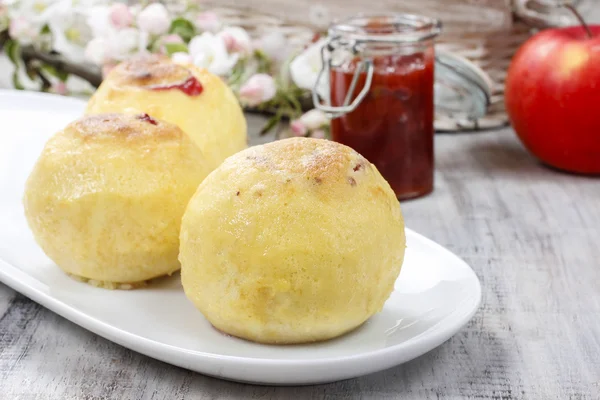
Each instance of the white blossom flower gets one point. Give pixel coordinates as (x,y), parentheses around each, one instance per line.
(314,119)
(237,40)
(70,29)
(118,40)
(120,16)
(304,69)
(258,89)
(208,21)
(33,10)
(96,51)
(181,58)
(154,19)
(22,30)
(125,42)
(209,51)
(273,44)
(99,21)
(113,44)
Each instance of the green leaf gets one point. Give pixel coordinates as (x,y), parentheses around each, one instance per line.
(265,65)
(184,28)
(271,123)
(16,81)
(13,51)
(293,100)
(176,48)
(50,69)
(237,73)
(46,84)
(45,30)
(31,71)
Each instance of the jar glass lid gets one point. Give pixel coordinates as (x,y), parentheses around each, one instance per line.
(396,28)
(462,89)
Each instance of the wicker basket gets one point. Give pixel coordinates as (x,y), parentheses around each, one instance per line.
(486,32)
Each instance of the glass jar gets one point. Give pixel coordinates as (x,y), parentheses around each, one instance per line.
(381,95)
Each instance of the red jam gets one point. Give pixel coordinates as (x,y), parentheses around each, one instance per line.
(147,118)
(191,86)
(393,126)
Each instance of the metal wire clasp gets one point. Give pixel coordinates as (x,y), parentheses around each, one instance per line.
(336,43)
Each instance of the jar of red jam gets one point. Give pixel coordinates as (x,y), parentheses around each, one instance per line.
(381,95)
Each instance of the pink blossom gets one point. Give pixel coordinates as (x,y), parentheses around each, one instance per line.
(120,16)
(208,21)
(313,121)
(59,88)
(236,40)
(172,38)
(258,89)
(298,128)
(229,42)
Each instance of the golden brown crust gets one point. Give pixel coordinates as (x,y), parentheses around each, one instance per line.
(148,70)
(321,161)
(130,126)
(197,101)
(301,240)
(106,196)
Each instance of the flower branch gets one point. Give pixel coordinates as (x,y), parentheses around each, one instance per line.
(63,42)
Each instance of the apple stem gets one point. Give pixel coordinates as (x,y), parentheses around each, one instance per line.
(572,8)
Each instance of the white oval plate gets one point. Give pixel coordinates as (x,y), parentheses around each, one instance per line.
(435,295)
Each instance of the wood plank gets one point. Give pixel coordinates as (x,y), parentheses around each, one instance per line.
(471,15)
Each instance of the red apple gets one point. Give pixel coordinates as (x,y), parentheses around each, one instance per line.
(553,97)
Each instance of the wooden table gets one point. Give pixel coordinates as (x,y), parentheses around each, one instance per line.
(532,235)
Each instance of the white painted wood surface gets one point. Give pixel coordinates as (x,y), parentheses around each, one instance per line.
(458,15)
(530,233)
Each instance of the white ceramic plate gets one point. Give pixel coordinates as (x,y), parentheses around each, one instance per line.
(436,294)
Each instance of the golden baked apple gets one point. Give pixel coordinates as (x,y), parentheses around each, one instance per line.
(200,103)
(294,241)
(105,198)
